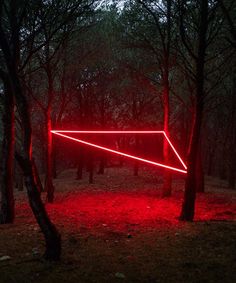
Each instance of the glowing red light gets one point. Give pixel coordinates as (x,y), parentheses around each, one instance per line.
(62,133)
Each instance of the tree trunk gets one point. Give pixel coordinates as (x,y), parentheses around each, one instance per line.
(7,212)
(121,145)
(232,142)
(49,187)
(200,184)
(188,207)
(52,237)
(166,189)
(136,168)
(136,163)
(232,162)
(210,163)
(54,160)
(18,177)
(20,182)
(36,175)
(102,163)
(232,175)
(91,168)
(24,158)
(79,174)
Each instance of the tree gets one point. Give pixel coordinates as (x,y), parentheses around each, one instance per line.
(7,211)
(154,33)
(202,7)
(15,15)
(228,9)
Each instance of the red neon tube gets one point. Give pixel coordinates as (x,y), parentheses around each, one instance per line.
(121,153)
(109,132)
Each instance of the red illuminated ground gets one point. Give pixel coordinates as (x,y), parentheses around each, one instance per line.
(120,230)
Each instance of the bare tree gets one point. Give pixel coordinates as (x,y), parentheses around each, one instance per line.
(162,17)
(14,14)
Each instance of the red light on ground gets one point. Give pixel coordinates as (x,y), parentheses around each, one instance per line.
(62,133)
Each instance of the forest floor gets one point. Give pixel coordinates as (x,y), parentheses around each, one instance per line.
(119,229)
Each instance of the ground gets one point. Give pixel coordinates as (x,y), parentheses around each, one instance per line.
(120,230)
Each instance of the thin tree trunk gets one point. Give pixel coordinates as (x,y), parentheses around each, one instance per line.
(200,184)
(232,162)
(24,158)
(91,168)
(54,160)
(52,237)
(232,142)
(18,177)
(79,174)
(121,145)
(136,164)
(232,173)
(49,187)
(36,175)
(20,182)
(7,212)
(102,163)
(210,163)
(166,189)
(136,168)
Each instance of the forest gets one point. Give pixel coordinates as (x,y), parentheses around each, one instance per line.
(118,141)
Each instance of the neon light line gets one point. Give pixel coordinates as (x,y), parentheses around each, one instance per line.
(109,132)
(180,159)
(127,132)
(121,153)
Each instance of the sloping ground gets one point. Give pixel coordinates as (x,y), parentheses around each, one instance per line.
(120,230)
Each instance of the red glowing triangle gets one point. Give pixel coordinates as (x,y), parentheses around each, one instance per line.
(181,170)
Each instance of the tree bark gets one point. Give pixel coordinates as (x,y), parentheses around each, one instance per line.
(36,175)
(102,163)
(188,207)
(210,163)
(136,164)
(232,142)
(136,168)
(166,189)
(232,151)
(54,160)
(232,171)
(167,182)
(49,187)
(91,168)
(52,237)
(7,212)
(200,184)
(20,182)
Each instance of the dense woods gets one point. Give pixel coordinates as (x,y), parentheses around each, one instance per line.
(114,65)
